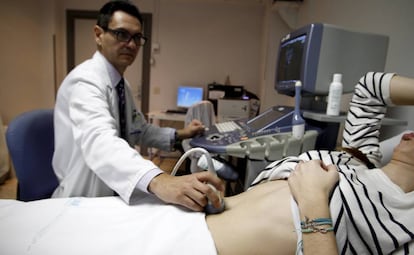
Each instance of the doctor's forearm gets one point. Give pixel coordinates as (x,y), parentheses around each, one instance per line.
(183,134)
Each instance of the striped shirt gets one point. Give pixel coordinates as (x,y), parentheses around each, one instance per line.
(371,214)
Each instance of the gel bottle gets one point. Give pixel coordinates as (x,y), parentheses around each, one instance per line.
(334,97)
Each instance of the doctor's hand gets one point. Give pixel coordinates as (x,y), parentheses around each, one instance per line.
(191,191)
(194,128)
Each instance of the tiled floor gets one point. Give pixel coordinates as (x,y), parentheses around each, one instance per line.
(8,189)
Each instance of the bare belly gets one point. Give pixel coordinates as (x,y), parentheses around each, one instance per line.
(258,221)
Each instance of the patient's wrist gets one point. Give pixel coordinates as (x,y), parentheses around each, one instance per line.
(314,209)
(310,201)
(316,225)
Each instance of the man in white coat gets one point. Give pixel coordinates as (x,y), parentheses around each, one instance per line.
(94,153)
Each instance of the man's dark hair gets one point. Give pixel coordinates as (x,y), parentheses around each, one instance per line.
(106,12)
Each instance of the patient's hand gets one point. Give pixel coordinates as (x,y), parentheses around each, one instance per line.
(310,184)
(312,181)
(191,191)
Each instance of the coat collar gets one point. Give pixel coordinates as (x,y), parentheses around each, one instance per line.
(114,75)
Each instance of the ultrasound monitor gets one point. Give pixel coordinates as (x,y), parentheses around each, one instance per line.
(187,96)
(313,53)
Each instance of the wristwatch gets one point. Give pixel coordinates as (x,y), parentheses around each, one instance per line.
(176,144)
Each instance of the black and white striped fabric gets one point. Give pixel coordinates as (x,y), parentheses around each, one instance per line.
(371,214)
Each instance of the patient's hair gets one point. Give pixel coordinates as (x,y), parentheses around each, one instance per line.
(106,12)
(359,155)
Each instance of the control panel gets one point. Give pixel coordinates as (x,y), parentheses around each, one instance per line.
(267,136)
(218,137)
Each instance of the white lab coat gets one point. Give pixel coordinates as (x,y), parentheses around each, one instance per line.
(90,159)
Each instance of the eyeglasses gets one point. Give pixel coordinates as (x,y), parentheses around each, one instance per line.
(125,36)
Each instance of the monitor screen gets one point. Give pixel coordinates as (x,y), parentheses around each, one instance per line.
(187,96)
(290,59)
(313,53)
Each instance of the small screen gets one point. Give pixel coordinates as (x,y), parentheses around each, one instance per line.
(187,96)
(265,119)
(290,59)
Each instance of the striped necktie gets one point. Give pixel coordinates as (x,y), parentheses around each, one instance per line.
(120,88)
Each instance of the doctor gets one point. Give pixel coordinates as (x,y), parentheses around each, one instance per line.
(94,152)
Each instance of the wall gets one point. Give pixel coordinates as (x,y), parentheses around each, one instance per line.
(200,42)
(274,29)
(204,42)
(26,64)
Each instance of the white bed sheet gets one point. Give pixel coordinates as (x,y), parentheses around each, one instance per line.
(101,226)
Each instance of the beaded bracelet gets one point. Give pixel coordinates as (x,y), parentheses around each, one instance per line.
(313,226)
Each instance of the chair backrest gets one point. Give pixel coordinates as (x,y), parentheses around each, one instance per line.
(30,139)
(254,107)
(203,111)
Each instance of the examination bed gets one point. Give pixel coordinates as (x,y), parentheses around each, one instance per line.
(104,225)
(107,225)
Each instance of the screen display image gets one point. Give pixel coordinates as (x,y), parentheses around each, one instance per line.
(187,96)
(290,63)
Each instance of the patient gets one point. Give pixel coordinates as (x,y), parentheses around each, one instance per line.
(371,209)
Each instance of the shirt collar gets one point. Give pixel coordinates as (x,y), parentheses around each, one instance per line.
(112,72)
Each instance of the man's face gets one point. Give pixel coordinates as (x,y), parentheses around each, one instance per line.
(119,54)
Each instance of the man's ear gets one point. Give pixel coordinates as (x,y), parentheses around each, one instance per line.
(98,34)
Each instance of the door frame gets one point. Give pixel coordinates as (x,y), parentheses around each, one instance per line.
(73,15)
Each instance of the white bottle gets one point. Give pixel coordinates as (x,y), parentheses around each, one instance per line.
(335,94)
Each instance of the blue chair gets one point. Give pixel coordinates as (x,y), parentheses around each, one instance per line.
(30,139)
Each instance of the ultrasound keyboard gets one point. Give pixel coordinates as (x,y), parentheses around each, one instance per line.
(227,126)
(222,135)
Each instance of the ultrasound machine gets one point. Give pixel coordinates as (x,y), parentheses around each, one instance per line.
(311,54)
